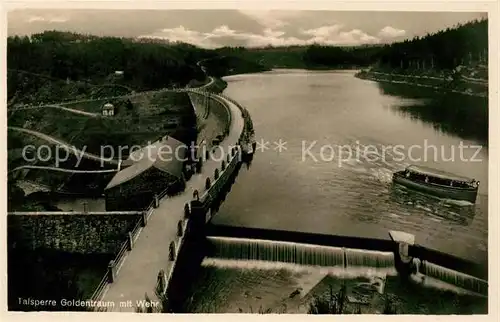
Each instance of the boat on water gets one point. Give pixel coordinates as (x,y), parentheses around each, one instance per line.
(438,183)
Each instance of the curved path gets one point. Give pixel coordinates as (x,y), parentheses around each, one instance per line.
(72,149)
(72,110)
(137,274)
(58,106)
(76,111)
(62,169)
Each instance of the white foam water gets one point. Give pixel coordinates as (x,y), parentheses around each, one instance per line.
(367,272)
(432,275)
(344,261)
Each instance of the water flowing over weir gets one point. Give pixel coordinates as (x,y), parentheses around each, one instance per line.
(369,258)
(350,260)
(449,276)
(339,261)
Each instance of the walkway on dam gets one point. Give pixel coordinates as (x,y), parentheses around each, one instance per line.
(138,273)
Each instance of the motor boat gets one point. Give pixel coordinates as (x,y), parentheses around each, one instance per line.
(438,183)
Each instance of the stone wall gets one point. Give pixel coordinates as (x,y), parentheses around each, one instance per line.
(221,111)
(78,233)
(203,106)
(200,105)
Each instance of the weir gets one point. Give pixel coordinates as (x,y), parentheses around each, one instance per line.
(461,280)
(369,258)
(275,251)
(352,262)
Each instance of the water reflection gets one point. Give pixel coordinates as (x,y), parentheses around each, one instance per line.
(454,211)
(462,115)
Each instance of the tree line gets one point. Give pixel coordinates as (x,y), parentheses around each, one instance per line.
(75,57)
(445,49)
(150,64)
(464,44)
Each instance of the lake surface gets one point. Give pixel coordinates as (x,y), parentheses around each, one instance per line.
(359,137)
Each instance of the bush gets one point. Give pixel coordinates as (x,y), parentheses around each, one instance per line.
(333,304)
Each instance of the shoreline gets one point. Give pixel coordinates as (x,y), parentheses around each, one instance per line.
(292,70)
(467,86)
(434,83)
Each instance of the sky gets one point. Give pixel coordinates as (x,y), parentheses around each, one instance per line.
(249,28)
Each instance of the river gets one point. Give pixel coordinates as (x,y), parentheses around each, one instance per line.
(338,194)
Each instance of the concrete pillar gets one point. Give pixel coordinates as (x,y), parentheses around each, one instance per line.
(403,253)
(111,271)
(144,218)
(171,251)
(199,165)
(161,281)
(187,211)
(179,228)
(130,241)
(403,260)
(156,201)
(197,220)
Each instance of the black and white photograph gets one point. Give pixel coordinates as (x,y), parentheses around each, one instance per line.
(315,162)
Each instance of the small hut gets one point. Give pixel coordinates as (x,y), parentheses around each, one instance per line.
(108,109)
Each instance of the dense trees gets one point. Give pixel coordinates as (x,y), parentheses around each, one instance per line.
(462,45)
(446,49)
(326,56)
(149,64)
(74,57)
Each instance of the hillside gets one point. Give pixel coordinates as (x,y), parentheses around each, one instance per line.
(91,59)
(439,54)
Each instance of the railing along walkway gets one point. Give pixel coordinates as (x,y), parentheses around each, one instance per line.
(136,271)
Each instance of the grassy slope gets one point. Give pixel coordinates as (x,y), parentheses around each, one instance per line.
(151,116)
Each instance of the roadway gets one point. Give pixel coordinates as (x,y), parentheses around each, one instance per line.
(62,169)
(138,273)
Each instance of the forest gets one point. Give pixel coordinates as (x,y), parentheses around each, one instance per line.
(74,57)
(444,50)
(151,64)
